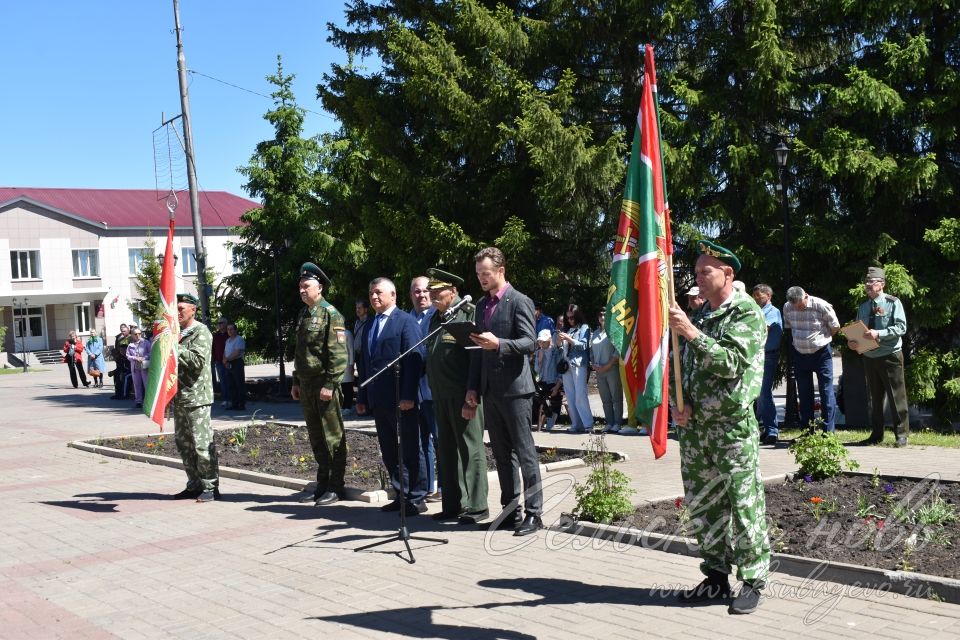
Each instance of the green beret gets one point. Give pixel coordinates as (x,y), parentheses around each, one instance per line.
(441,280)
(310,271)
(188,297)
(724,255)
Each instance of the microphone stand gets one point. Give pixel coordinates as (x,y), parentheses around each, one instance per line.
(403,534)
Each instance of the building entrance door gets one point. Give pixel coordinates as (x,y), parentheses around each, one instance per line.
(28,329)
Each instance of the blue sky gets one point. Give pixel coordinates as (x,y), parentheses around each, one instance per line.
(85,85)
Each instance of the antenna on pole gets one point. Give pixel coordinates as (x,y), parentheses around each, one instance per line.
(198,247)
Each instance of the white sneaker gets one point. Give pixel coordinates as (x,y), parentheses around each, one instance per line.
(628,431)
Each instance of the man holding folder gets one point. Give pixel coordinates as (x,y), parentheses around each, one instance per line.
(886,323)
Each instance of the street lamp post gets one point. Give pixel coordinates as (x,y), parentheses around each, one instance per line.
(282,390)
(22,306)
(791,414)
(276,309)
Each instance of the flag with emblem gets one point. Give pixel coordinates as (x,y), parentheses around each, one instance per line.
(162,380)
(638,300)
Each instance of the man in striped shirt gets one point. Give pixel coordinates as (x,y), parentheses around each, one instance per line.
(813,323)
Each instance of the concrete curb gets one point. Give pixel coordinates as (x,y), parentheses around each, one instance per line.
(908,583)
(374,496)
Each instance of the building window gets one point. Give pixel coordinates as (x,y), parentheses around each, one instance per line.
(188,261)
(25,265)
(81,314)
(136,258)
(86,263)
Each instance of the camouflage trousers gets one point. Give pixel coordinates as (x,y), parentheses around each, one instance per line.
(194,437)
(327,437)
(724,496)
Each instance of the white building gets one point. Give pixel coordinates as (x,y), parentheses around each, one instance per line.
(74,256)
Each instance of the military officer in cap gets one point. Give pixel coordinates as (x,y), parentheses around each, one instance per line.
(462,462)
(191,408)
(886,322)
(721,372)
(319,364)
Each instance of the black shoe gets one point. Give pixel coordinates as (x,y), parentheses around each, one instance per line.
(502,522)
(328,497)
(473,517)
(445,516)
(187,494)
(872,440)
(531,524)
(770,439)
(392,506)
(747,600)
(414,508)
(206,496)
(85,384)
(716,586)
(216,494)
(311,497)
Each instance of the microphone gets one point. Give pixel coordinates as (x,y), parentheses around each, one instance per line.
(452,310)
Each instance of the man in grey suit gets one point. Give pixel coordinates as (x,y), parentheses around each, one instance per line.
(500,372)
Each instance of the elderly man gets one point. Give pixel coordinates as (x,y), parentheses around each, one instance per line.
(462,460)
(719,438)
(694,300)
(886,322)
(191,408)
(813,323)
(766,409)
(392,333)
(319,362)
(500,373)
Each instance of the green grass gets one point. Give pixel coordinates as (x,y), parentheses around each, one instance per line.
(923,438)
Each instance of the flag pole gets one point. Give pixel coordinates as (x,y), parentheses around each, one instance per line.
(674,341)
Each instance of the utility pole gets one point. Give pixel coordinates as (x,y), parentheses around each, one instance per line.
(198,247)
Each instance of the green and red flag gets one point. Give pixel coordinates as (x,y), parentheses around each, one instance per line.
(162,382)
(638,301)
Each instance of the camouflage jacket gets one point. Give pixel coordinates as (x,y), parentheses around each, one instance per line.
(194,375)
(722,368)
(321,356)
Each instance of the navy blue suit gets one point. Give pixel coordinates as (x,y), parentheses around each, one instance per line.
(398,333)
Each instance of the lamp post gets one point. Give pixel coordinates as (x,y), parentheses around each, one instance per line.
(791,414)
(22,306)
(282,389)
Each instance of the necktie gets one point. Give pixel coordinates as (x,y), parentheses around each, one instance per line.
(375,332)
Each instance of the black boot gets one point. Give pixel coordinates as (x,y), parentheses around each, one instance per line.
(716,586)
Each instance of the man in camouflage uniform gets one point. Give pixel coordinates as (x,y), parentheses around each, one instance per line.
(191,407)
(319,363)
(721,371)
(461,458)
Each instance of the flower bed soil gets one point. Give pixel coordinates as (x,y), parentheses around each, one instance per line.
(891,535)
(284,450)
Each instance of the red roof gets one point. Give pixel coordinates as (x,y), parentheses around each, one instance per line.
(132,208)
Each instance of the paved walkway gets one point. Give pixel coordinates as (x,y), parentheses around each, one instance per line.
(91,549)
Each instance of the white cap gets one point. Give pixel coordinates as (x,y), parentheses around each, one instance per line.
(739,286)
(694,291)
(544,335)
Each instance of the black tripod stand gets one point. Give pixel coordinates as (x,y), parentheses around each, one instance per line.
(403,534)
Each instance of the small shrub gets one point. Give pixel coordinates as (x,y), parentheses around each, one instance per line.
(605,495)
(821,455)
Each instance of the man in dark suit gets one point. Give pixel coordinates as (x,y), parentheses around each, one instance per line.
(500,372)
(388,335)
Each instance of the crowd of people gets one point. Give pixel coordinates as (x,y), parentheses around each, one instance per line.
(434,378)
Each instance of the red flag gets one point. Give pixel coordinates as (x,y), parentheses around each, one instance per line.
(638,301)
(162,382)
